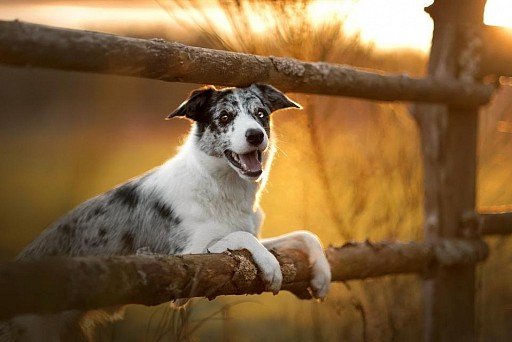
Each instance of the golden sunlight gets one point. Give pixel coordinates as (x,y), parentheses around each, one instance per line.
(392,24)
(386,24)
(79,16)
(498,13)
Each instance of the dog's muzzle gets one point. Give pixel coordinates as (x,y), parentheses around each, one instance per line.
(249,164)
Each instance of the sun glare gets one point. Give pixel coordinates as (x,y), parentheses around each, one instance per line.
(498,13)
(78,16)
(386,24)
(392,24)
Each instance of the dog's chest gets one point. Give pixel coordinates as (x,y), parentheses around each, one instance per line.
(213,204)
(230,205)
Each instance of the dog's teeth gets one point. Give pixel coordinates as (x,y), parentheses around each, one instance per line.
(235,156)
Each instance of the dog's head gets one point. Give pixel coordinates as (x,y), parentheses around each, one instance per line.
(234,123)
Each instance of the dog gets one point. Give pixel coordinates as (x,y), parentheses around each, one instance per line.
(205,199)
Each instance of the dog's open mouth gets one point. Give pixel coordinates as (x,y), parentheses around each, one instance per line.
(249,164)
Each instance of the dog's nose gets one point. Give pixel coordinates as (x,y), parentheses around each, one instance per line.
(254,136)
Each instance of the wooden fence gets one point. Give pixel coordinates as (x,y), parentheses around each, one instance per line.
(463,52)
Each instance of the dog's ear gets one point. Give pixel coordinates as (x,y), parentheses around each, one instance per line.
(195,105)
(273,98)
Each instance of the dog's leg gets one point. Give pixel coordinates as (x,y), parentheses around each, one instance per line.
(266,261)
(309,242)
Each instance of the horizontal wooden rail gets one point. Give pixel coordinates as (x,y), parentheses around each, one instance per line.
(24,44)
(58,284)
(496,223)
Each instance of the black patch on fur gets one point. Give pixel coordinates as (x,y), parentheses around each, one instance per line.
(205,119)
(167,213)
(126,194)
(99,240)
(208,118)
(164,211)
(97,243)
(194,107)
(66,235)
(201,128)
(178,250)
(65,229)
(128,242)
(176,221)
(273,98)
(99,211)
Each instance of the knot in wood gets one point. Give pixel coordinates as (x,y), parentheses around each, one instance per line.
(288,66)
(288,268)
(245,270)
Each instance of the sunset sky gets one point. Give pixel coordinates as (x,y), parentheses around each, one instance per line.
(389,24)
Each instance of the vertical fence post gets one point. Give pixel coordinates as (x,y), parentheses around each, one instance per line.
(449,156)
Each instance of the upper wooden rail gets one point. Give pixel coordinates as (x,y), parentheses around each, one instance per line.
(24,44)
(57,284)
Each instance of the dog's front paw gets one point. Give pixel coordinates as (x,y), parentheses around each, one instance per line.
(321,281)
(320,268)
(266,261)
(270,269)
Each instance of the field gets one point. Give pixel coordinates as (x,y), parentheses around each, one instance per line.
(345,169)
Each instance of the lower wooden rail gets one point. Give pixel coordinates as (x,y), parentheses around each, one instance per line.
(496,223)
(57,284)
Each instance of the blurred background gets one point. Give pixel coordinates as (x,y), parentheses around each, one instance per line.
(345,169)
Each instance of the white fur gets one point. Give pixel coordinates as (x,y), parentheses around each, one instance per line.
(221,211)
(242,123)
(218,209)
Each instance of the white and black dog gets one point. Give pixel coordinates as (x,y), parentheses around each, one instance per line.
(205,199)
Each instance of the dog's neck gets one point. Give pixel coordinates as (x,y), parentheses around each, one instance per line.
(215,170)
(208,166)
(192,167)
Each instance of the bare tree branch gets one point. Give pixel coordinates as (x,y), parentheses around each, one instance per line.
(58,284)
(496,223)
(24,44)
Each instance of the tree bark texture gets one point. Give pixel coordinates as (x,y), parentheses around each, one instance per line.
(448,137)
(495,223)
(24,44)
(57,284)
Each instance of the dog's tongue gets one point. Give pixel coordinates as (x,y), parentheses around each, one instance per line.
(250,161)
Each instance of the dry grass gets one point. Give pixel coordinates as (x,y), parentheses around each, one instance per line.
(346,169)
(361,179)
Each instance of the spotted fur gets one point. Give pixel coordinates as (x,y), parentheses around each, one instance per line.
(206,106)
(193,203)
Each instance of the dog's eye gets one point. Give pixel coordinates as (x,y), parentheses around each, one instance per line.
(225,117)
(261,113)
